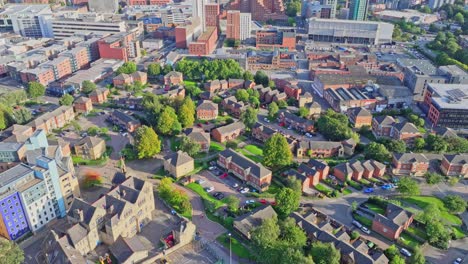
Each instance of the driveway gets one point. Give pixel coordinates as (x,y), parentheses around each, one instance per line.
(221,185)
(458,249)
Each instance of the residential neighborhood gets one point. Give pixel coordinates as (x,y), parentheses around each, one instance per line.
(254,131)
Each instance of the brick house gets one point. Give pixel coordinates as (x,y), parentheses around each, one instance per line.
(178,91)
(83,105)
(391,225)
(124,121)
(202,138)
(359,117)
(405,131)
(296,122)
(55,119)
(233,107)
(261,132)
(245,169)
(382,126)
(173,78)
(207,110)
(310,173)
(455,165)
(99,96)
(91,148)
(178,164)
(410,164)
(324,149)
(246,223)
(236,83)
(126,79)
(357,170)
(228,132)
(216,86)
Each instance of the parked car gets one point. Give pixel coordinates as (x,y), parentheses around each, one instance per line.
(458,261)
(235,185)
(365,230)
(263,201)
(200,181)
(209,189)
(387,186)
(212,168)
(308,135)
(249,202)
(405,252)
(357,224)
(369,190)
(224,175)
(245,190)
(220,196)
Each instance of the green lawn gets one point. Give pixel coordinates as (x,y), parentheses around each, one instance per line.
(215,146)
(423,201)
(417,231)
(323,189)
(458,232)
(409,241)
(251,156)
(203,194)
(347,191)
(237,248)
(254,150)
(354,184)
(190,83)
(363,220)
(375,208)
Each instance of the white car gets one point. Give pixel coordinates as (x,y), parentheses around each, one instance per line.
(212,168)
(458,261)
(357,224)
(365,230)
(266,120)
(405,252)
(200,181)
(209,189)
(235,185)
(308,135)
(249,202)
(245,190)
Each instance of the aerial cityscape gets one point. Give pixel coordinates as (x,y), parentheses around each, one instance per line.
(234,131)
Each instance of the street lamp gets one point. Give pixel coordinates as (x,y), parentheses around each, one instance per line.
(229,235)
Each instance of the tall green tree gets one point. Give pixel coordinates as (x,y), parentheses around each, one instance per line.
(35,90)
(287,201)
(88,86)
(261,78)
(272,110)
(242,95)
(267,233)
(167,121)
(66,99)
(3,120)
(455,203)
(436,143)
(408,186)
(417,257)
(303,112)
(154,69)
(277,151)
(127,68)
(11,253)
(190,146)
(397,260)
(187,112)
(438,234)
(398,146)
(147,142)
(292,233)
(377,151)
(249,117)
(232,203)
(248,76)
(22,116)
(419,143)
(430,213)
(325,253)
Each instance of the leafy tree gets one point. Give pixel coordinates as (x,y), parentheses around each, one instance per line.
(11,253)
(438,235)
(397,260)
(452,181)
(154,69)
(13,98)
(248,76)
(273,110)
(433,178)
(249,117)
(147,142)
(277,151)
(3,120)
(88,86)
(425,9)
(455,203)
(436,143)
(66,100)
(271,84)
(391,252)
(419,143)
(325,253)
(190,146)
(291,255)
(417,257)
(242,95)
(292,8)
(457,144)
(128,68)
(303,112)
(167,121)
(254,101)
(294,183)
(354,206)
(408,186)
(167,69)
(398,146)
(292,234)
(282,104)
(232,203)
(261,78)
(22,116)
(287,201)
(35,90)
(377,151)
(267,233)
(354,235)
(93,131)
(430,213)
(187,112)
(334,126)
(209,69)
(459,18)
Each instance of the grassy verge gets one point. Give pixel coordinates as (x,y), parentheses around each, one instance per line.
(408,241)
(254,150)
(417,231)
(375,208)
(237,248)
(354,184)
(423,201)
(203,194)
(251,156)
(325,190)
(363,220)
(98,162)
(215,146)
(347,191)
(458,232)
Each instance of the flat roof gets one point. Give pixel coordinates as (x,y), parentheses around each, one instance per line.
(450,96)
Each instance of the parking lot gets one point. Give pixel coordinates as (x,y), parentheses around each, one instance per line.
(225,185)
(187,255)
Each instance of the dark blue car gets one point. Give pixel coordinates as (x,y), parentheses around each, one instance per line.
(369,190)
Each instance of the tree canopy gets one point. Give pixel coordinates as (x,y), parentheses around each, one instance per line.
(35,90)
(154,69)
(209,69)
(261,78)
(277,151)
(377,151)
(167,122)
(272,110)
(187,112)
(249,117)
(408,186)
(11,253)
(287,201)
(66,100)
(455,203)
(190,146)
(334,126)
(88,86)
(325,253)
(127,68)
(147,142)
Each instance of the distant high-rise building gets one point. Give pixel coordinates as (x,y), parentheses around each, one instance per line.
(211,14)
(332,5)
(27,20)
(358,10)
(238,25)
(434,4)
(104,6)
(261,10)
(198,10)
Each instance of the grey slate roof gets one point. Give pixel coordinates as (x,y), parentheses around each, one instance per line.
(124,248)
(356,165)
(344,167)
(76,233)
(230,128)
(247,222)
(207,105)
(410,157)
(406,127)
(459,159)
(264,129)
(178,158)
(124,117)
(384,120)
(90,142)
(240,160)
(359,111)
(308,144)
(317,164)
(88,210)
(199,136)
(397,214)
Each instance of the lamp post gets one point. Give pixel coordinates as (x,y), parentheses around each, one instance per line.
(229,235)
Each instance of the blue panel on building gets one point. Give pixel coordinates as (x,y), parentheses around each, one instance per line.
(14,216)
(151,20)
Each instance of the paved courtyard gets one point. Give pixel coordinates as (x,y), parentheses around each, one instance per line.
(188,255)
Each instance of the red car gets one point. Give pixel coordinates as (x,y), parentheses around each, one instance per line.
(224,175)
(199,125)
(273,203)
(263,201)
